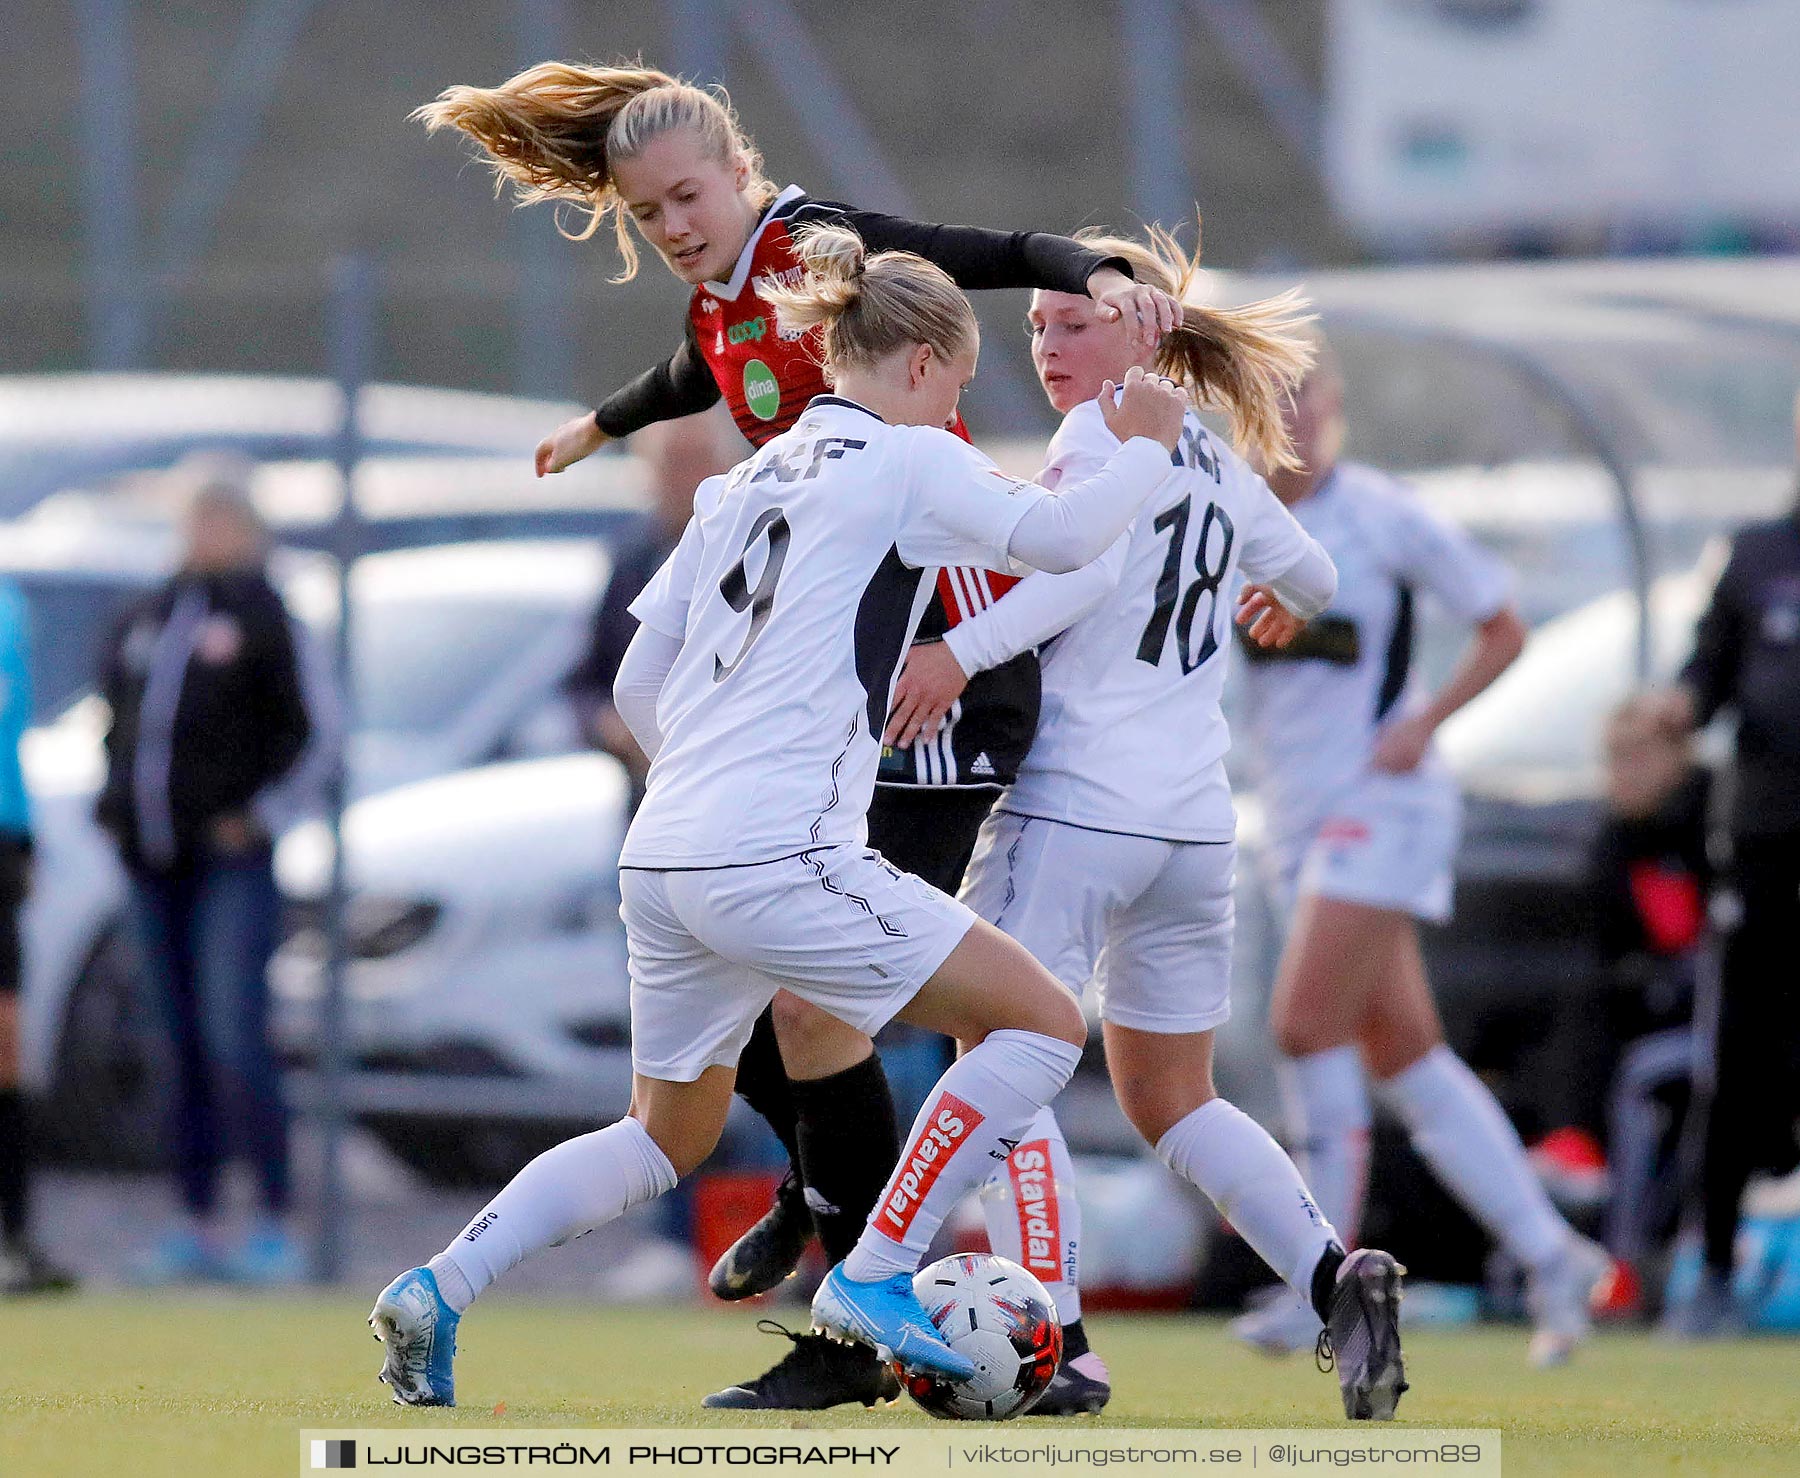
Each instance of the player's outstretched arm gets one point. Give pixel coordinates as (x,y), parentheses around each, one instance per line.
(569,444)
(1068,528)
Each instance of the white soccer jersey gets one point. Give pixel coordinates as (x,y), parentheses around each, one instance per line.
(1314,709)
(794,591)
(1130,737)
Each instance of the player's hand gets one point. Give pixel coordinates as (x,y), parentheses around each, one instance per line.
(1268,622)
(568,444)
(1151,406)
(1670,710)
(1148,312)
(1401,745)
(930,682)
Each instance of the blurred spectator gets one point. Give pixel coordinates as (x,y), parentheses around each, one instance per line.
(1650,877)
(23,1269)
(1746,661)
(678,456)
(208,723)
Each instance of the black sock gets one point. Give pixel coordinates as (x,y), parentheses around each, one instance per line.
(1324,1281)
(762,1082)
(14,1210)
(849,1144)
(1074,1341)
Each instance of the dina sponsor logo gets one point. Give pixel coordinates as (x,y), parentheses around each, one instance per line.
(761,392)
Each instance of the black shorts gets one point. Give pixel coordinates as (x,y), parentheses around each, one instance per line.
(929,830)
(15,873)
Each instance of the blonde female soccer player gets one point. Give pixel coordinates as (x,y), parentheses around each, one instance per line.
(758,683)
(1111,856)
(1363,820)
(669,163)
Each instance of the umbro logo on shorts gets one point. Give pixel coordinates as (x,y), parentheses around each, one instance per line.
(948,1125)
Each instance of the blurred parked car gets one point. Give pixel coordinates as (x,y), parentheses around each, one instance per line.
(486,987)
(457,657)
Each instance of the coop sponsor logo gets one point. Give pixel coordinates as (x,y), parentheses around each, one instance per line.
(947,1126)
(1040,1217)
(748,333)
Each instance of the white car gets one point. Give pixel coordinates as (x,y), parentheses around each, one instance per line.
(485,981)
(458,654)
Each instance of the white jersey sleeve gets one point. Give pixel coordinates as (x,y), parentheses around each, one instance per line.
(961,508)
(663,604)
(1039,607)
(1428,551)
(1279,553)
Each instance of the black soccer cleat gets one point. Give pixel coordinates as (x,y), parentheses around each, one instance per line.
(816,1373)
(1362,1336)
(769,1252)
(1080,1387)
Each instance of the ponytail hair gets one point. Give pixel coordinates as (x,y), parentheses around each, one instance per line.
(869,306)
(1246,362)
(555,131)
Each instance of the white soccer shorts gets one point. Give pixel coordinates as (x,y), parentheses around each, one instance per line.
(1148,921)
(709,948)
(1388,842)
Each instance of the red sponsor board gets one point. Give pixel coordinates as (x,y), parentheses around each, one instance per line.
(947,1125)
(1040,1217)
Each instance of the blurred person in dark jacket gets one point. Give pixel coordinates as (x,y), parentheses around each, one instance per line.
(678,456)
(209,723)
(23,1268)
(1746,662)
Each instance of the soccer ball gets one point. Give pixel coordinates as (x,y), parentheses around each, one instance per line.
(1003,1319)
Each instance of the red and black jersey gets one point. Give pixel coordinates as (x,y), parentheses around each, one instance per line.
(734,349)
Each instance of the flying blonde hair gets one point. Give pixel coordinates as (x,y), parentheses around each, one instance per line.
(869,306)
(555,131)
(1246,362)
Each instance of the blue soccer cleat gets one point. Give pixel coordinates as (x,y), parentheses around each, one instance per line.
(419,1330)
(888,1316)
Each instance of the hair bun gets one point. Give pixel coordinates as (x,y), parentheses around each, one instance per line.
(835,253)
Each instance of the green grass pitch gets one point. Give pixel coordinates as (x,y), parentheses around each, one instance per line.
(145,1386)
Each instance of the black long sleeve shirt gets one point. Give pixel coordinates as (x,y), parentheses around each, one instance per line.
(1747,658)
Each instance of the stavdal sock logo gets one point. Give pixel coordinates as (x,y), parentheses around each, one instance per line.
(327,1453)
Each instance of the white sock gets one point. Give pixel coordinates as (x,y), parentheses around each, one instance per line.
(1255,1186)
(572,1188)
(1462,1133)
(979,1111)
(1327,1102)
(1033,1215)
